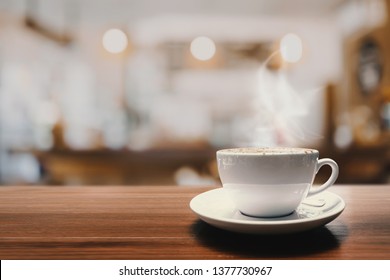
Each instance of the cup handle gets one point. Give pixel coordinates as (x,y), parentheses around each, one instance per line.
(332,178)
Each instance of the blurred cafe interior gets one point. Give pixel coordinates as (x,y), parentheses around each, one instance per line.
(126,92)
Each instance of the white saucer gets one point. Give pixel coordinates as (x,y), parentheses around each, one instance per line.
(215,208)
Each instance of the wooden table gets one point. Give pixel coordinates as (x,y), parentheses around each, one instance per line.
(157,223)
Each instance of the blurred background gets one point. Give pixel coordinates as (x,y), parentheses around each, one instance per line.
(104,92)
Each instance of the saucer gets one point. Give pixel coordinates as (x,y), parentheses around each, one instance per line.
(215,208)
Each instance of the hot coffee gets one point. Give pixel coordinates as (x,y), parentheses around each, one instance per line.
(269,182)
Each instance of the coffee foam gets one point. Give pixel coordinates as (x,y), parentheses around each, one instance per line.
(269,150)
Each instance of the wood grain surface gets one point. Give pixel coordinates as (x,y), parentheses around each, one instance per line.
(123,222)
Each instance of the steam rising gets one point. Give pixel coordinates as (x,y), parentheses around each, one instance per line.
(279,111)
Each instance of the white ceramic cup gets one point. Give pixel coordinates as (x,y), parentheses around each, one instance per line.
(271,182)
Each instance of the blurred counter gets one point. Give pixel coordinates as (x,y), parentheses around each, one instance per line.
(102,167)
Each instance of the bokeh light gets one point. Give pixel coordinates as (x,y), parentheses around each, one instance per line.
(203,48)
(115,40)
(291,48)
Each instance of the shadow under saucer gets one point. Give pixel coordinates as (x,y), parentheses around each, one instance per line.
(298,245)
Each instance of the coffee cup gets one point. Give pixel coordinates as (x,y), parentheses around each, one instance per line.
(271,182)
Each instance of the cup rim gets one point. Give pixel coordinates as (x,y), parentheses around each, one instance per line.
(267,151)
